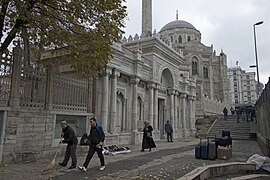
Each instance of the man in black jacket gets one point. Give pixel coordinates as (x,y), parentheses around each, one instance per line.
(95,140)
(69,137)
(169,131)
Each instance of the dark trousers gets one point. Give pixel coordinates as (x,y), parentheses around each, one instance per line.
(169,137)
(71,152)
(225,117)
(91,152)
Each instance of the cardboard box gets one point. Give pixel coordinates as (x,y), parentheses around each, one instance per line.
(224,152)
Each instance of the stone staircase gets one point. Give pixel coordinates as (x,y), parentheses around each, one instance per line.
(240,131)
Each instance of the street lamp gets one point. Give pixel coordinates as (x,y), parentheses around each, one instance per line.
(256,56)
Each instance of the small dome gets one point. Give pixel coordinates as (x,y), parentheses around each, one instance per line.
(177,24)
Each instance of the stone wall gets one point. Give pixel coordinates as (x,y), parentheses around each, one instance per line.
(209,107)
(27,135)
(262,118)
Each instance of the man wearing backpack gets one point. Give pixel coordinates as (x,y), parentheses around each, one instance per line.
(95,140)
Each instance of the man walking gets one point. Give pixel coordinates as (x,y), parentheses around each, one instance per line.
(225,112)
(69,137)
(169,131)
(95,139)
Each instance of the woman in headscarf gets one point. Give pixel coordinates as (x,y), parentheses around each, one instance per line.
(147,142)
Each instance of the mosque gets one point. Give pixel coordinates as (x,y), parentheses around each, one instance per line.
(160,76)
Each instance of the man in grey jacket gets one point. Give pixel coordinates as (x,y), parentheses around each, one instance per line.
(169,131)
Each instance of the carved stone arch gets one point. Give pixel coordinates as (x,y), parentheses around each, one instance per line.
(195,65)
(205,71)
(121,108)
(165,73)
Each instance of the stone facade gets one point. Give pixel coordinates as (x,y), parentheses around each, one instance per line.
(143,83)
(210,69)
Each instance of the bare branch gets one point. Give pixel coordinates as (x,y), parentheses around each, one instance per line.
(2,16)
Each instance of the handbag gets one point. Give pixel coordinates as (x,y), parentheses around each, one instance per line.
(148,134)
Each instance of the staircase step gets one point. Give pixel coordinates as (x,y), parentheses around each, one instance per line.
(239,131)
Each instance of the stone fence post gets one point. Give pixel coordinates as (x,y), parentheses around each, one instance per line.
(14,98)
(49,87)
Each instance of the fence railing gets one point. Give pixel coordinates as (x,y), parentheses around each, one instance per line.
(5,78)
(29,86)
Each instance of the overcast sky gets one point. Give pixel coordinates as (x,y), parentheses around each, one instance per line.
(227,24)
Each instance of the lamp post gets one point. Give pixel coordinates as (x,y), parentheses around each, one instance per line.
(256,56)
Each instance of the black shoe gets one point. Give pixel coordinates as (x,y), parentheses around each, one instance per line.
(72,167)
(62,164)
(149,150)
(142,150)
(171,141)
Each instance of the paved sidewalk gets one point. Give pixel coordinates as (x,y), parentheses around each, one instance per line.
(167,161)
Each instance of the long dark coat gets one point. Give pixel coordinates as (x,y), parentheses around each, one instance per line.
(148,141)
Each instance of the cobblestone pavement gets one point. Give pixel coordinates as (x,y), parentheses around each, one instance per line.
(167,161)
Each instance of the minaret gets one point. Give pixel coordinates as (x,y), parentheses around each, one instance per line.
(146,17)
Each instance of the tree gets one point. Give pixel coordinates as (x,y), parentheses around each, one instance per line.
(86,29)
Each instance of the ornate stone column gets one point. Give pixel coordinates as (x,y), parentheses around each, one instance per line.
(175,110)
(134,128)
(135,82)
(104,103)
(151,103)
(193,117)
(184,124)
(113,101)
(172,92)
(155,109)
(125,124)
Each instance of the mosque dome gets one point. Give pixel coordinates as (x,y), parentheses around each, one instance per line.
(177,24)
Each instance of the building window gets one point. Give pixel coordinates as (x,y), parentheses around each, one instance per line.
(248,93)
(248,82)
(180,39)
(247,76)
(235,90)
(172,39)
(234,73)
(188,38)
(194,68)
(205,72)
(235,84)
(249,98)
(236,101)
(248,87)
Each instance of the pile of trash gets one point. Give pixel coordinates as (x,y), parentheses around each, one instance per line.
(114,150)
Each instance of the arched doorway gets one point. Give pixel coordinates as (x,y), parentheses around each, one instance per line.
(164,108)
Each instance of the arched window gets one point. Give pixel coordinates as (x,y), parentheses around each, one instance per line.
(205,72)
(188,38)
(140,109)
(171,39)
(195,66)
(180,39)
